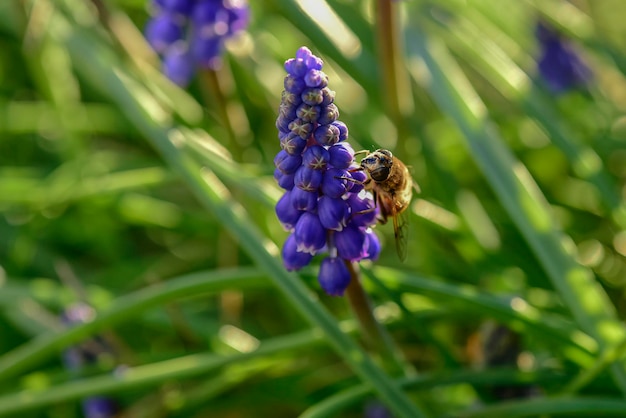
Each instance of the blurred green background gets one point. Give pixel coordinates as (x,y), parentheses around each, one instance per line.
(153,205)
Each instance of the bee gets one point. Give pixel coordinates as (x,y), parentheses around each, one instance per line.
(391,185)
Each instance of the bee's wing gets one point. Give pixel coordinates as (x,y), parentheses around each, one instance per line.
(401,233)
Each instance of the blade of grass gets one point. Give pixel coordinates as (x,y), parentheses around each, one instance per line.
(138,377)
(518,193)
(333,405)
(596,407)
(37,350)
(515,312)
(490,60)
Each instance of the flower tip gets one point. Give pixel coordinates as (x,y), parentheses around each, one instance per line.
(333,276)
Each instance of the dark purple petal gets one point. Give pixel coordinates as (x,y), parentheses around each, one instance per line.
(309,233)
(282,123)
(314,63)
(287,109)
(296,67)
(308,179)
(326,134)
(284,180)
(334,276)
(291,98)
(334,183)
(301,127)
(372,245)
(286,213)
(316,157)
(303,53)
(303,200)
(350,243)
(333,213)
(293,144)
(312,96)
(294,84)
(162,31)
(292,258)
(341,155)
(364,212)
(343,130)
(178,64)
(316,78)
(328,114)
(287,163)
(308,113)
(328,96)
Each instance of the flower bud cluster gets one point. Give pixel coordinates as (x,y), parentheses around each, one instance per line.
(190,34)
(324,206)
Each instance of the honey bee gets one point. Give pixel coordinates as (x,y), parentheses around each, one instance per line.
(391,184)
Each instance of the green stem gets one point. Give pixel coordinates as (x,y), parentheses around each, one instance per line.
(374,334)
(608,357)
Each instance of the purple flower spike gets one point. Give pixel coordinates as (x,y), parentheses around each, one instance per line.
(322,210)
(334,276)
(201,25)
(560,67)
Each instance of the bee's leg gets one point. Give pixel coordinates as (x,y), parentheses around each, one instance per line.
(362,183)
(382,218)
(382,213)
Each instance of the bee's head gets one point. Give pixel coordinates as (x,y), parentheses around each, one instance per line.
(378,164)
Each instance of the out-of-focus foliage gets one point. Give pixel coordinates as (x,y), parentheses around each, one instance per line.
(151,208)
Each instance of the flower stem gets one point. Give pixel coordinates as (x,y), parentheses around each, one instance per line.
(374,334)
(396,87)
(213,95)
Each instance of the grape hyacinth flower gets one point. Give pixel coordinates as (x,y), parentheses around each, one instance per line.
(324,205)
(190,34)
(559,65)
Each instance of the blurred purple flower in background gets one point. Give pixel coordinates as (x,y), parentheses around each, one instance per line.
(78,356)
(324,205)
(560,67)
(190,34)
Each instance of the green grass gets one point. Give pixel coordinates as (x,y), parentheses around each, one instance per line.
(154,206)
